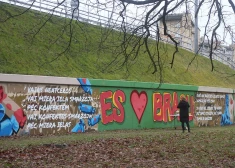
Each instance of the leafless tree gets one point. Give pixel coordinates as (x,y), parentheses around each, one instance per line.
(135,24)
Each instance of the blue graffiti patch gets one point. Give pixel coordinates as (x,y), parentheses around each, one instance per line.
(225,118)
(2,111)
(7,125)
(85,108)
(79,127)
(6,128)
(86,85)
(93,121)
(15,124)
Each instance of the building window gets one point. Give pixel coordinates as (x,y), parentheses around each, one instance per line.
(177,35)
(177,25)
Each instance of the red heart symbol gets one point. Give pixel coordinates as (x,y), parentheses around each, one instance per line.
(139,102)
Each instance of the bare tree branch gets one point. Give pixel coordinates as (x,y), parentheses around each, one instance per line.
(232,5)
(139,2)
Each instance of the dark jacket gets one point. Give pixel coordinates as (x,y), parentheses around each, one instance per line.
(184,111)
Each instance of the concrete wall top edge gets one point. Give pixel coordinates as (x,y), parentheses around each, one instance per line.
(215,89)
(16,78)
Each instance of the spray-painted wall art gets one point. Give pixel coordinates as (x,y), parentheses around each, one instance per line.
(47,109)
(133,105)
(213,109)
(139,108)
(83,105)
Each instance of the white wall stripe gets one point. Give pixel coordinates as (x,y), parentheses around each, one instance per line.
(215,89)
(15,78)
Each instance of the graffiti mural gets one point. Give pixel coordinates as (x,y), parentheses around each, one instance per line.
(137,108)
(87,105)
(48,109)
(213,109)
(12,117)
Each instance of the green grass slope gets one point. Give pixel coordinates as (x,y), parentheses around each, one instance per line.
(91,52)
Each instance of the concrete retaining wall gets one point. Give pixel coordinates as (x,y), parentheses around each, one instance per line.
(51,105)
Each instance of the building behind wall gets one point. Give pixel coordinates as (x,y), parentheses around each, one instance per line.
(181,27)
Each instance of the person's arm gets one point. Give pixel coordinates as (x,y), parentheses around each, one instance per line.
(179,105)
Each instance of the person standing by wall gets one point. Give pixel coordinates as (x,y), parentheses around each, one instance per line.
(184,112)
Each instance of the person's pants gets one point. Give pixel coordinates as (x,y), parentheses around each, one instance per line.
(187,123)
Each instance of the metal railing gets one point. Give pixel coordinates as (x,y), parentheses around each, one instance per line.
(101,16)
(219,56)
(90,14)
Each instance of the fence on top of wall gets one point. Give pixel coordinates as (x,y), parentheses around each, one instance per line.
(50,105)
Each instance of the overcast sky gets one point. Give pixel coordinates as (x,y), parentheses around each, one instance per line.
(229,18)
